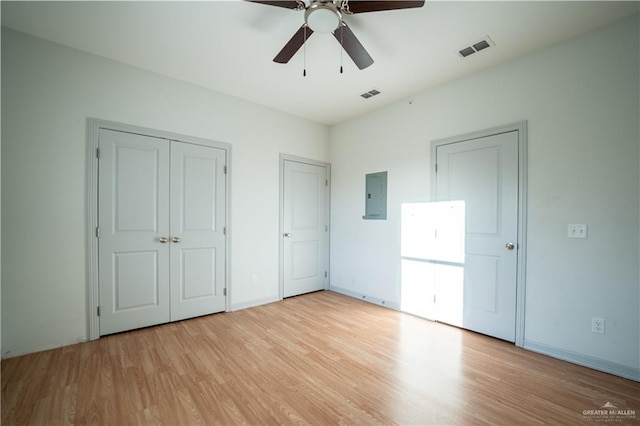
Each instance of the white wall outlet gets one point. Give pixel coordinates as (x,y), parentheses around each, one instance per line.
(597,325)
(254,279)
(577,230)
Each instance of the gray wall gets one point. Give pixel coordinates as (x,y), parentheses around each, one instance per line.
(581,101)
(48,91)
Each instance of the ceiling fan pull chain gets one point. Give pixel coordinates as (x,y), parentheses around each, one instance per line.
(341,48)
(304,46)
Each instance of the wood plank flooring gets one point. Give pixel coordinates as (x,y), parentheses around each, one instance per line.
(317,359)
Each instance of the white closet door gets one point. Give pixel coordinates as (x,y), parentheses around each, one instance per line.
(197,230)
(134,218)
(305,247)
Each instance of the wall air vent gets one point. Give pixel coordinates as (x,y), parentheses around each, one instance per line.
(476,47)
(370,94)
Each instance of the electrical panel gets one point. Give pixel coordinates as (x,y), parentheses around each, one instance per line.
(376,196)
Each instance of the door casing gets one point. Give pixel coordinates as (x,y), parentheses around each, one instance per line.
(327,166)
(93,128)
(521,128)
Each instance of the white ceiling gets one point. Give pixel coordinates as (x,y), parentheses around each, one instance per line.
(228,46)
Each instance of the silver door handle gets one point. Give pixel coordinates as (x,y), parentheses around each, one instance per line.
(287,234)
(163,239)
(510,246)
(175,239)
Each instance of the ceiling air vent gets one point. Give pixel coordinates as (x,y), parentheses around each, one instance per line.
(476,47)
(370,94)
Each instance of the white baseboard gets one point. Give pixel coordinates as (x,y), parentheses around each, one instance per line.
(366,298)
(253,303)
(599,364)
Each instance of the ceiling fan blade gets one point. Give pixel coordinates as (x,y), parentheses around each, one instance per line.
(352,46)
(293,45)
(288,4)
(361,6)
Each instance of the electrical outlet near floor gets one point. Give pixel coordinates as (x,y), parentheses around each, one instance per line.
(597,325)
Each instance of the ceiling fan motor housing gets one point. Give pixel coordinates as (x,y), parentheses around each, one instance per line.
(323,16)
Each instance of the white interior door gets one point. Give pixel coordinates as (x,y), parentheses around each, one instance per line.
(305,221)
(197,230)
(162,242)
(133,209)
(483,173)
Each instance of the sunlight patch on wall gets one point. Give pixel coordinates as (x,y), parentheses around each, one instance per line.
(432,260)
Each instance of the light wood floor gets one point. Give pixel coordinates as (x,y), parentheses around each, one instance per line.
(318,359)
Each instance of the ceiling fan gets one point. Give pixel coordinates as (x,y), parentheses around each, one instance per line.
(327,16)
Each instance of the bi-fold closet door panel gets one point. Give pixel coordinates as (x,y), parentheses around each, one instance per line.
(197,230)
(161,221)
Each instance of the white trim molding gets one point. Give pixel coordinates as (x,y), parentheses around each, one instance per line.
(93,129)
(521,128)
(254,303)
(367,298)
(632,373)
(327,166)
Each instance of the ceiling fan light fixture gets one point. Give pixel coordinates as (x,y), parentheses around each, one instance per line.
(323,17)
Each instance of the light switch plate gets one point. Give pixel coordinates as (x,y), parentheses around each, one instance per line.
(577,230)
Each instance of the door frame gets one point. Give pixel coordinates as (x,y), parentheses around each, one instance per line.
(94,125)
(327,166)
(521,128)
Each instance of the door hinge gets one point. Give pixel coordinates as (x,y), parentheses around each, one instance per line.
(98,153)
(224,230)
(436,167)
(224,169)
(97,232)
(326,228)
(325,274)
(434,298)
(98,310)
(224,292)
(326,182)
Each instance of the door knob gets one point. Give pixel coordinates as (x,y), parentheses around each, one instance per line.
(175,239)
(163,239)
(510,246)
(287,234)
